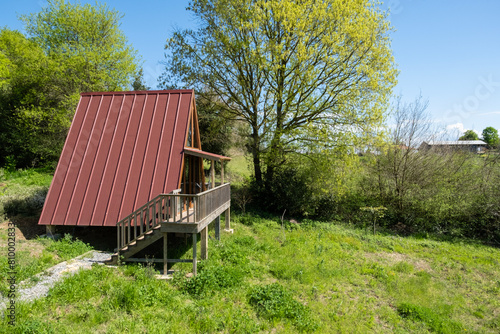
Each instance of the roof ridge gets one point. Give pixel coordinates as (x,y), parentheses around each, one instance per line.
(139,92)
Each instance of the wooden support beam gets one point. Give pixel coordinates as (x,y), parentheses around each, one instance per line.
(194,253)
(227,216)
(50,230)
(204,243)
(212,173)
(217,228)
(221,172)
(165,257)
(134,259)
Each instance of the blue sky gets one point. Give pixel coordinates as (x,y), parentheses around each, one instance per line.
(447,51)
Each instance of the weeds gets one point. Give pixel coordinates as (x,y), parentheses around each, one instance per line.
(436,323)
(273,301)
(67,247)
(211,279)
(326,278)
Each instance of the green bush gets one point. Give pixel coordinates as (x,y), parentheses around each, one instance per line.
(273,301)
(288,190)
(34,326)
(211,279)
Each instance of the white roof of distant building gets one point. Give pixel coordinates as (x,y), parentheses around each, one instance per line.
(456,142)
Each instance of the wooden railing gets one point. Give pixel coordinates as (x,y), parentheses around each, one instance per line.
(174,207)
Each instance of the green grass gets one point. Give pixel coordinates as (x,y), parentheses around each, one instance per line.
(26,177)
(22,192)
(239,166)
(312,277)
(33,257)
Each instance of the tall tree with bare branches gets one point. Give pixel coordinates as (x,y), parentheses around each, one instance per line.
(304,75)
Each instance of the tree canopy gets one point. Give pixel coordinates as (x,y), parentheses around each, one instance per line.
(490,136)
(33,119)
(87,41)
(69,49)
(469,135)
(304,75)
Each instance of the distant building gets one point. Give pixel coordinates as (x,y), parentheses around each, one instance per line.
(476,146)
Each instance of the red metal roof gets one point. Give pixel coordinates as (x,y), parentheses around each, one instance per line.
(123,149)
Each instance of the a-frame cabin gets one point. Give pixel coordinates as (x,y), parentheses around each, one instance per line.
(134,160)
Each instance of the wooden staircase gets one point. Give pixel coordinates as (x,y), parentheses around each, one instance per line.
(141,242)
(167,213)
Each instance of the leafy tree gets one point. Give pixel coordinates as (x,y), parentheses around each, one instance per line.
(215,131)
(469,135)
(87,42)
(304,75)
(33,118)
(71,49)
(138,83)
(490,136)
(4,69)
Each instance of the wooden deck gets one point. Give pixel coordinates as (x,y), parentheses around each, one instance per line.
(174,213)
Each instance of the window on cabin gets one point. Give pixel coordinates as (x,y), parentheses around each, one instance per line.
(192,177)
(190,138)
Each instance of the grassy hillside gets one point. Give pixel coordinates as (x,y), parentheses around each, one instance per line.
(22,192)
(271,277)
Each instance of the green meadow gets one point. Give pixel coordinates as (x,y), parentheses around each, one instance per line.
(273,276)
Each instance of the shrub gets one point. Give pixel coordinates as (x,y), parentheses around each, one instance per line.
(288,190)
(211,279)
(34,326)
(27,203)
(273,301)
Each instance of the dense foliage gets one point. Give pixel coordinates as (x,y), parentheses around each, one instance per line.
(216,131)
(448,192)
(68,49)
(303,75)
(469,135)
(490,136)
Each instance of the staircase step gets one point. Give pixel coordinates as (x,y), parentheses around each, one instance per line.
(113,260)
(140,242)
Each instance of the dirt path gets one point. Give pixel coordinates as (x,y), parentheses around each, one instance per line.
(27,291)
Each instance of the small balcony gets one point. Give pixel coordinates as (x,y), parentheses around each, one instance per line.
(174,213)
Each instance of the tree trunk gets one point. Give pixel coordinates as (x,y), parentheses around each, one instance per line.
(255,149)
(275,156)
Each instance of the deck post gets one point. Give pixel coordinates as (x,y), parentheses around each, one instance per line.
(204,243)
(217,228)
(50,230)
(165,264)
(227,215)
(221,172)
(194,254)
(212,173)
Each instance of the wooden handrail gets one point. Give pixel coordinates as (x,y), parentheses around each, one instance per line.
(165,207)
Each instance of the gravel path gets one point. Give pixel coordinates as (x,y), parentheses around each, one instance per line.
(27,291)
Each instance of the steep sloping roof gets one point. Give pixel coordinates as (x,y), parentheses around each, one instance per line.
(123,148)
